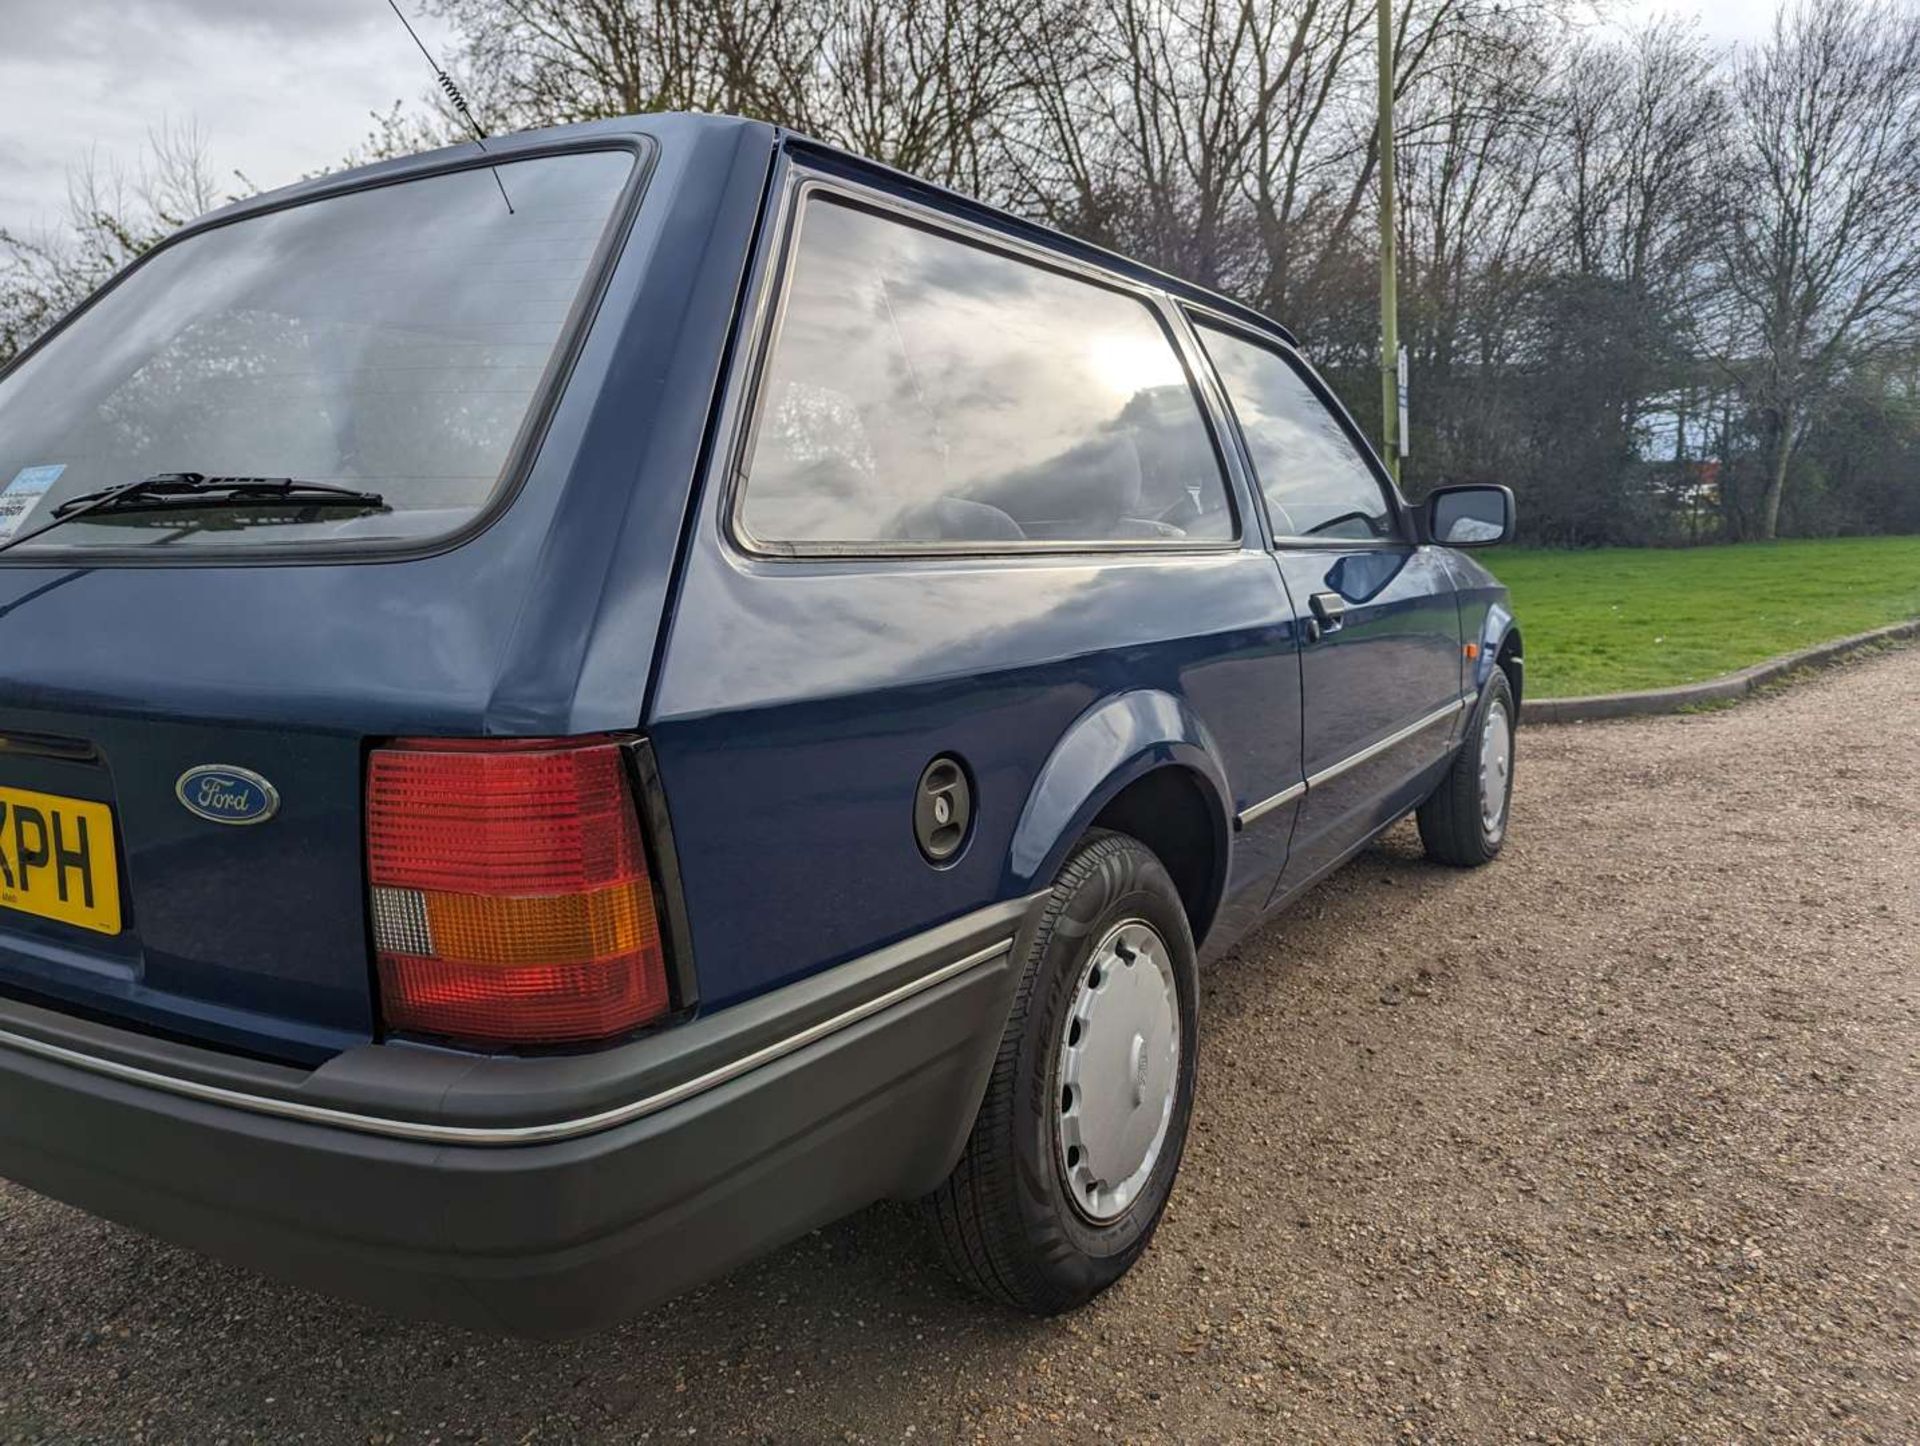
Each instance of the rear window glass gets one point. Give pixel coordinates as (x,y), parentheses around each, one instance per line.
(923,390)
(388,340)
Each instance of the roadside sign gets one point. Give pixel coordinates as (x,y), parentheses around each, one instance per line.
(1406,444)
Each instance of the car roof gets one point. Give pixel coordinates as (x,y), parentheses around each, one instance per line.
(665,126)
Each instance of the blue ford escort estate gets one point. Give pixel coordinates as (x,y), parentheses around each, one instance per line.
(571,713)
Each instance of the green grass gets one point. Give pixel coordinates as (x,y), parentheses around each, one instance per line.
(1616,620)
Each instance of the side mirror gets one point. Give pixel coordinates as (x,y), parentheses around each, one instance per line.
(1470,516)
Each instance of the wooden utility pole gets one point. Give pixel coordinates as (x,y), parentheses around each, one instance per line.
(1390,439)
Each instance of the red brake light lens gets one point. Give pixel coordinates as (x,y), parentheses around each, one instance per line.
(511,898)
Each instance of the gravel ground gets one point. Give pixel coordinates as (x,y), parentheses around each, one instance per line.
(1618,1140)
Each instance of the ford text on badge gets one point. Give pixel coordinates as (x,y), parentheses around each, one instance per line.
(227,795)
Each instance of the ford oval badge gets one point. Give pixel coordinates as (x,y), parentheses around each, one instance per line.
(221,794)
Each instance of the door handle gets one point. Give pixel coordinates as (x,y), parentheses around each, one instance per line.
(1329,611)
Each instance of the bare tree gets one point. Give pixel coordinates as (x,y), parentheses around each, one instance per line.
(1602,235)
(921,84)
(548,62)
(113,217)
(1642,128)
(1141,132)
(1473,167)
(1231,140)
(925,85)
(1820,265)
(1633,132)
(1475,161)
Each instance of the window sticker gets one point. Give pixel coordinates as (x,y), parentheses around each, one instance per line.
(23,494)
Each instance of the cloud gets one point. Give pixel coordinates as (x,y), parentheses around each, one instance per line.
(39,27)
(279,90)
(1719,20)
(283,17)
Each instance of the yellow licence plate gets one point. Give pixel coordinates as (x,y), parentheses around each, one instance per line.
(57,859)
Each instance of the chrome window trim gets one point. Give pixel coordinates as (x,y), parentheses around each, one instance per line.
(1255,812)
(439,1134)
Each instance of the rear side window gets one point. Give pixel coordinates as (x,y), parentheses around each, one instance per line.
(923,390)
(1316,482)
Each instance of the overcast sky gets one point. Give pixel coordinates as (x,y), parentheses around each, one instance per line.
(1724,20)
(278,88)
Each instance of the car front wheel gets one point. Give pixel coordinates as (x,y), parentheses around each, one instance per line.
(1464,821)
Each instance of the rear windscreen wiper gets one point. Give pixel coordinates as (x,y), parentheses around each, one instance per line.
(166,489)
(185,490)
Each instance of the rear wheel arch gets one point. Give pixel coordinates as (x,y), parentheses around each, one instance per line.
(1168,810)
(1140,763)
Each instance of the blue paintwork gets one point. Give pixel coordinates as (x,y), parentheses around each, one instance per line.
(791,704)
(799,702)
(543,624)
(1396,659)
(1485,615)
(1120,739)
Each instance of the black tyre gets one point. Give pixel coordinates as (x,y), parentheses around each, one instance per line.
(1079,1137)
(1464,821)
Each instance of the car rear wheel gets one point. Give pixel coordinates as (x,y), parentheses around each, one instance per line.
(1078,1140)
(1464,821)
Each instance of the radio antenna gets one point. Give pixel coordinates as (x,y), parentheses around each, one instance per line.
(454,97)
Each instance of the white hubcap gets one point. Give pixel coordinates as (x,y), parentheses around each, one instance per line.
(1496,768)
(1119,1070)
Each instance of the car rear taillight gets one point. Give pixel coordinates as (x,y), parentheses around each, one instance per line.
(511,899)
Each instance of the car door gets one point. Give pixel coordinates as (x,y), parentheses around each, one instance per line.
(1381,656)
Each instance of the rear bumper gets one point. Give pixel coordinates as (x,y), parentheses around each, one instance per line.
(545,1226)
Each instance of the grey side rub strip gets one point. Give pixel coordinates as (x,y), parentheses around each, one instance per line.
(502,1135)
(1368,754)
(647,1104)
(1353,760)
